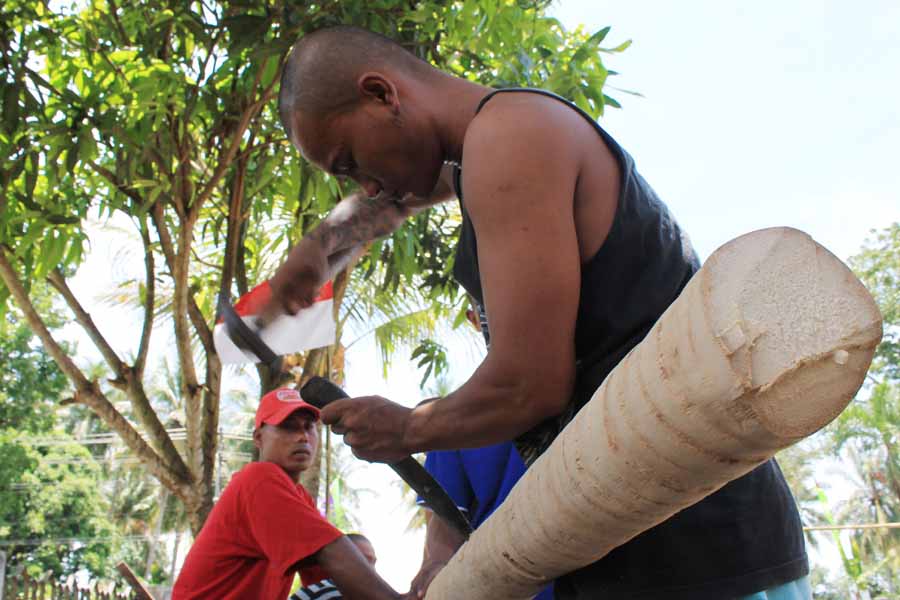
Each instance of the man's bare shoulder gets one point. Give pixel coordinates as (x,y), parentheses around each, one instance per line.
(517,148)
(544,125)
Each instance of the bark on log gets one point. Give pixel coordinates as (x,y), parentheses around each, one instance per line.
(767,344)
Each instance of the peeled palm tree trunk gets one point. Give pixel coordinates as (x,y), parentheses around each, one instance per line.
(768,343)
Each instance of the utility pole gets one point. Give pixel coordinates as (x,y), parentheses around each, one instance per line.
(2,573)
(219,452)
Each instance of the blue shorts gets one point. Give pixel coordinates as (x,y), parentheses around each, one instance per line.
(795,590)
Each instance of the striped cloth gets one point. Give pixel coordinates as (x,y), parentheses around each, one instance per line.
(324,590)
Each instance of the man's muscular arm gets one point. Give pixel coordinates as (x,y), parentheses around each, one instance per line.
(352,574)
(355,221)
(519,175)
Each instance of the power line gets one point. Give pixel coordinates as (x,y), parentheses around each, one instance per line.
(41,541)
(176,434)
(852,526)
(128,460)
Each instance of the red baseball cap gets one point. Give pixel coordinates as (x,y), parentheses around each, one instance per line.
(278,404)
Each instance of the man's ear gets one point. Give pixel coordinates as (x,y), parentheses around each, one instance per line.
(376,87)
(257,438)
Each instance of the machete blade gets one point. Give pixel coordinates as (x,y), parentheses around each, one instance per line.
(244,337)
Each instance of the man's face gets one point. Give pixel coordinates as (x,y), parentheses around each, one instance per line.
(371,145)
(291,445)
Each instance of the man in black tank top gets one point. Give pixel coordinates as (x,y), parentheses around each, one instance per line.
(571,254)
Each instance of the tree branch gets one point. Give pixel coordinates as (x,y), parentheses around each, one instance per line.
(114,11)
(190,385)
(88,393)
(100,50)
(37,79)
(205,263)
(157,158)
(149,301)
(127,378)
(233,243)
(269,142)
(111,177)
(209,421)
(160,438)
(84,319)
(235,218)
(247,116)
(165,239)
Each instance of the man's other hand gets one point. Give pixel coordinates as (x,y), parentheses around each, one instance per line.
(372,426)
(424,577)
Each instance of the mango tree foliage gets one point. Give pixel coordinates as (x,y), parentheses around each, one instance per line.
(162,114)
(46,491)
(30,382)
(868,432)
(878,265)
(53,516)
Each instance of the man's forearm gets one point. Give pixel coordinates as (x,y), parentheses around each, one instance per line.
(441,540)
(353,576)
(494,405)
(357,220)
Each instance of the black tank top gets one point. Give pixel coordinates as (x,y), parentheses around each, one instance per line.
(744,538)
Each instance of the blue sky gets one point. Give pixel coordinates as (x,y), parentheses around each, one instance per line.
(760,113)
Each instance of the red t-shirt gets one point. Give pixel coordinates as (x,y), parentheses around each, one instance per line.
(255,535)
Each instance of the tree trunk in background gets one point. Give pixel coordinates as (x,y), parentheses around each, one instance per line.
(157,530)
(176,544)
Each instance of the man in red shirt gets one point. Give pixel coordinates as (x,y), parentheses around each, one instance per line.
(265,527)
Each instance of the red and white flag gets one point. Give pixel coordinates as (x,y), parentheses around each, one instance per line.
(311,327)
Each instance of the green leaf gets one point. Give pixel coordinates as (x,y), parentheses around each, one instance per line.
(35,230)
(88,146)
(590,46)
(4,297)
(144,183)
(31,174)
(72,155)
(10,107)
(54,247)
(620,48)
(269,72)
(611,101)
(246,30)
(599,36)
(163,17)
(63,220)
(124,56)
(79,82)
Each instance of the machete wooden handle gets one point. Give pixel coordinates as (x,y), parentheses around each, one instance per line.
(321,392)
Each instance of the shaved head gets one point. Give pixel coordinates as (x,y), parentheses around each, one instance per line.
(321,73)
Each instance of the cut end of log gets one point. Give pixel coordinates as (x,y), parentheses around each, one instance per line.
(806,323)
(767,344)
